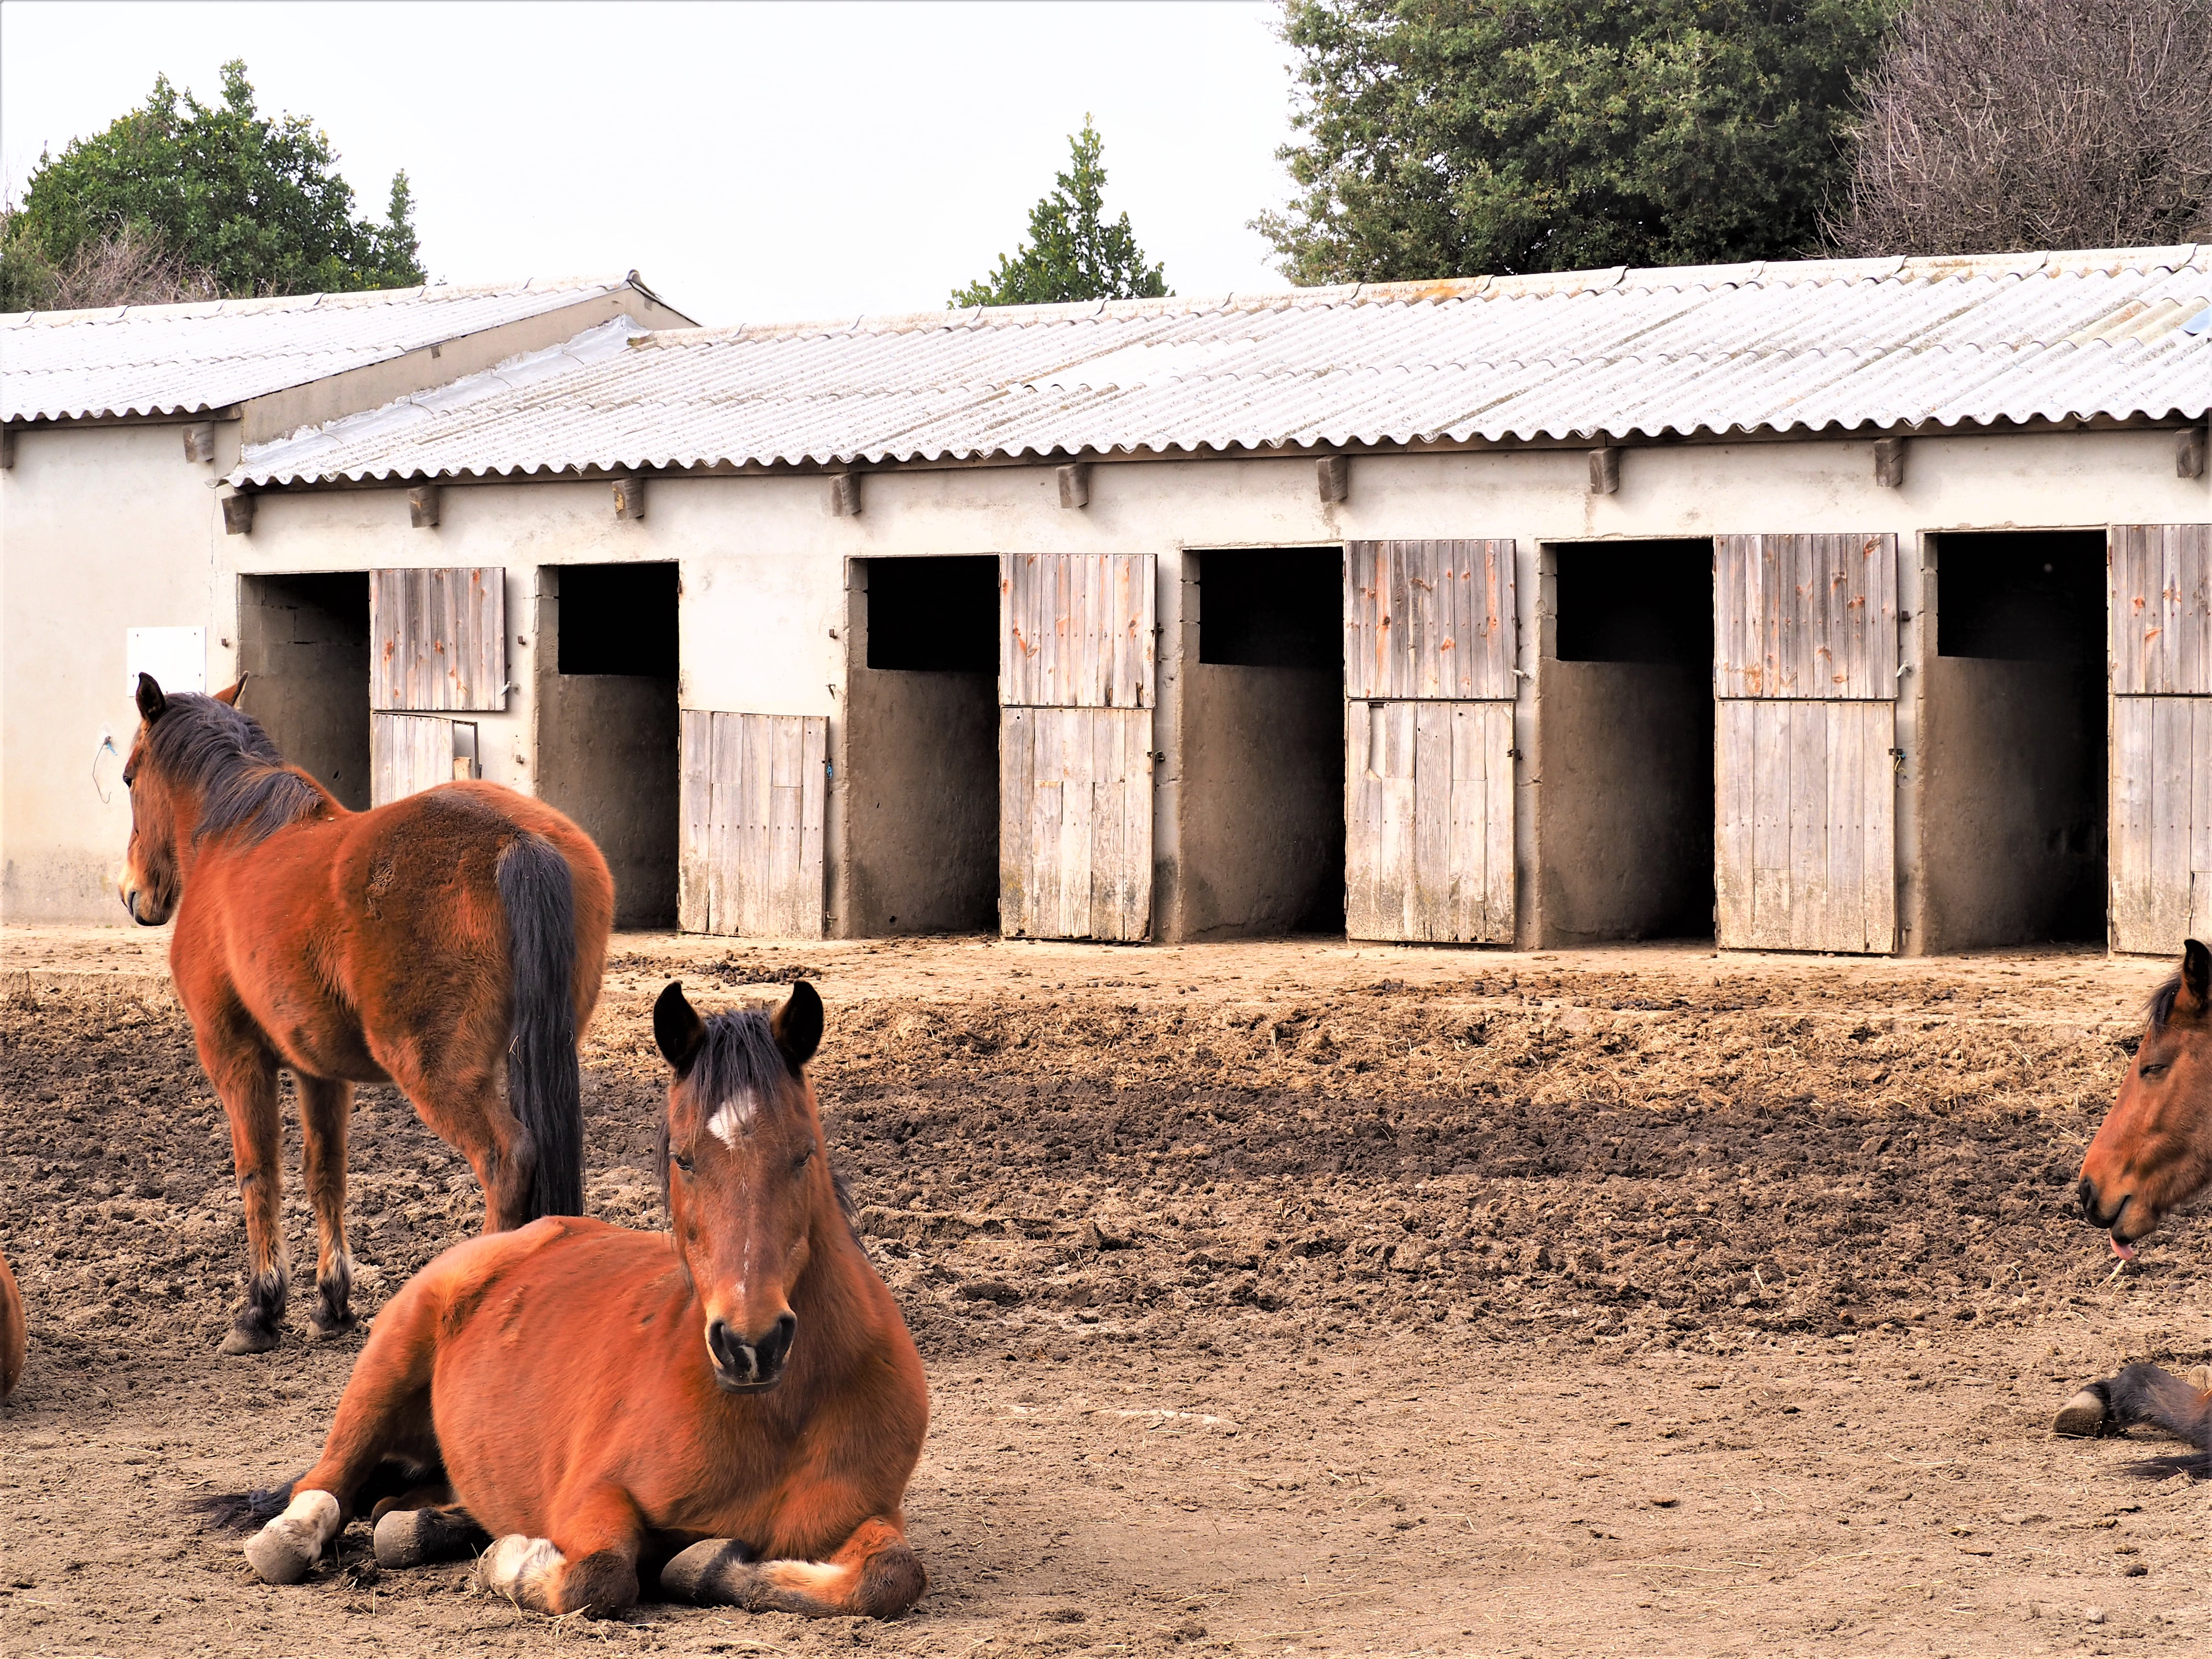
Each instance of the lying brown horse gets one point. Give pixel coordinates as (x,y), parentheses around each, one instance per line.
(736,1403)
(2154,1153)
(11,1331)
(450,943)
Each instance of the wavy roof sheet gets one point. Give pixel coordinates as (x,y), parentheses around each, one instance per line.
(182,359)
(1775,346)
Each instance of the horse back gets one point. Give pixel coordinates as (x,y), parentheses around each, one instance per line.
(333,930)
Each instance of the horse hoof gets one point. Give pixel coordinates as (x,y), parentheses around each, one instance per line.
(249,1339)
(321,1327)
(414,1538)
(710,1571)
(286,1550)
(2083,1416)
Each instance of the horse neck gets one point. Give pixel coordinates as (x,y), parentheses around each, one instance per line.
(831,1296)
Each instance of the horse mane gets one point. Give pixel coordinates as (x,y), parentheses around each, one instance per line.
(2159,1009)
(738,1054)
(244,783)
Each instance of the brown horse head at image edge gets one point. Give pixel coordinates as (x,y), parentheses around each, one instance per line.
(734,1407)
(449,944)
(2153,1151)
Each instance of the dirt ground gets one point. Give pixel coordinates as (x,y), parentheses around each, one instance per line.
(1279,1299)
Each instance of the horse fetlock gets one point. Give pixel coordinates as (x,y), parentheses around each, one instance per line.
(286,1550)
(891,1582)
(256,1329)
(2086,1414)
(522,1569)
(415,1538)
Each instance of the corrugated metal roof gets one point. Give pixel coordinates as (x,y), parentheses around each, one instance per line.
(164,360)
(1774,346)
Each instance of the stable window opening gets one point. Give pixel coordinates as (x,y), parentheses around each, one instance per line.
(1261,761)
(1624,721)
(608,746)
(2013,772)
(920,766)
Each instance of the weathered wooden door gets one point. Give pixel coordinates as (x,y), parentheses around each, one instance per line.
(1077,651)
(437,639)
(1805,674)
(1429,643)
(408,753)
(753,791)
(437,645)
(2161,736)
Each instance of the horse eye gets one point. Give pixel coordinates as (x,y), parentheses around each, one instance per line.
(2152,1070)
(800,1162)
(680,1162)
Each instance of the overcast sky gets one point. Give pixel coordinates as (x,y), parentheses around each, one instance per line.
(752,162)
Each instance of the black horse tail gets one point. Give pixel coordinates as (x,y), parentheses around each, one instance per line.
(544,1089)
(235,1511)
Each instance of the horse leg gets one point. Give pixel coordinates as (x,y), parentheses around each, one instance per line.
(243,1073)
(466,1109)
(326,1108)
(2143,1394)
(875,1573)
(588,1564)
(384,1416)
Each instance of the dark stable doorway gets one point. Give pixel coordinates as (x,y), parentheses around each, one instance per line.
(608,726)
(922,747)
(1625,725)
(303,646)
(2015,778)
(1261,763)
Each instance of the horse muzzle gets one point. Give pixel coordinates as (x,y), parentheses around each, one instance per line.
(744,1366)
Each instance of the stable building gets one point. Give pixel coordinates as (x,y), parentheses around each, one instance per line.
(1855,606)
(119,427)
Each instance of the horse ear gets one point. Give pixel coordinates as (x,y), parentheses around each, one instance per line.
(796,1026)
(152,705)
(2196,994)
(677,1027)
(229,693)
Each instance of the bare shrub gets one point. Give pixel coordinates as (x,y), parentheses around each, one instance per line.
(1996,126)
(127,267)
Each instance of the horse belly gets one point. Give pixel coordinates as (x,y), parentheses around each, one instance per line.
(562,1374)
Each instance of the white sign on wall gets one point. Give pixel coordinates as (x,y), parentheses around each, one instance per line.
(175,657)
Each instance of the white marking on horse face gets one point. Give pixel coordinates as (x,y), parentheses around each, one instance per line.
(733,1118)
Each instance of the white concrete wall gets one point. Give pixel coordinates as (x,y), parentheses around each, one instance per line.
(762,559)
(101,528)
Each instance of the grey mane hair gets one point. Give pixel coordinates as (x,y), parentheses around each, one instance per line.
(222,751)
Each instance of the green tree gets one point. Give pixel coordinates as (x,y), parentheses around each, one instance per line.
(255,202)
(1072,253)
(1449,138)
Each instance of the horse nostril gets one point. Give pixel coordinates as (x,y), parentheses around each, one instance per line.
(728,1352)
(777,1343)
(2087,1192)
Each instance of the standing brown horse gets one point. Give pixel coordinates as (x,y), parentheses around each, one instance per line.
(2152,1153)
(739,1394)
(448,944)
